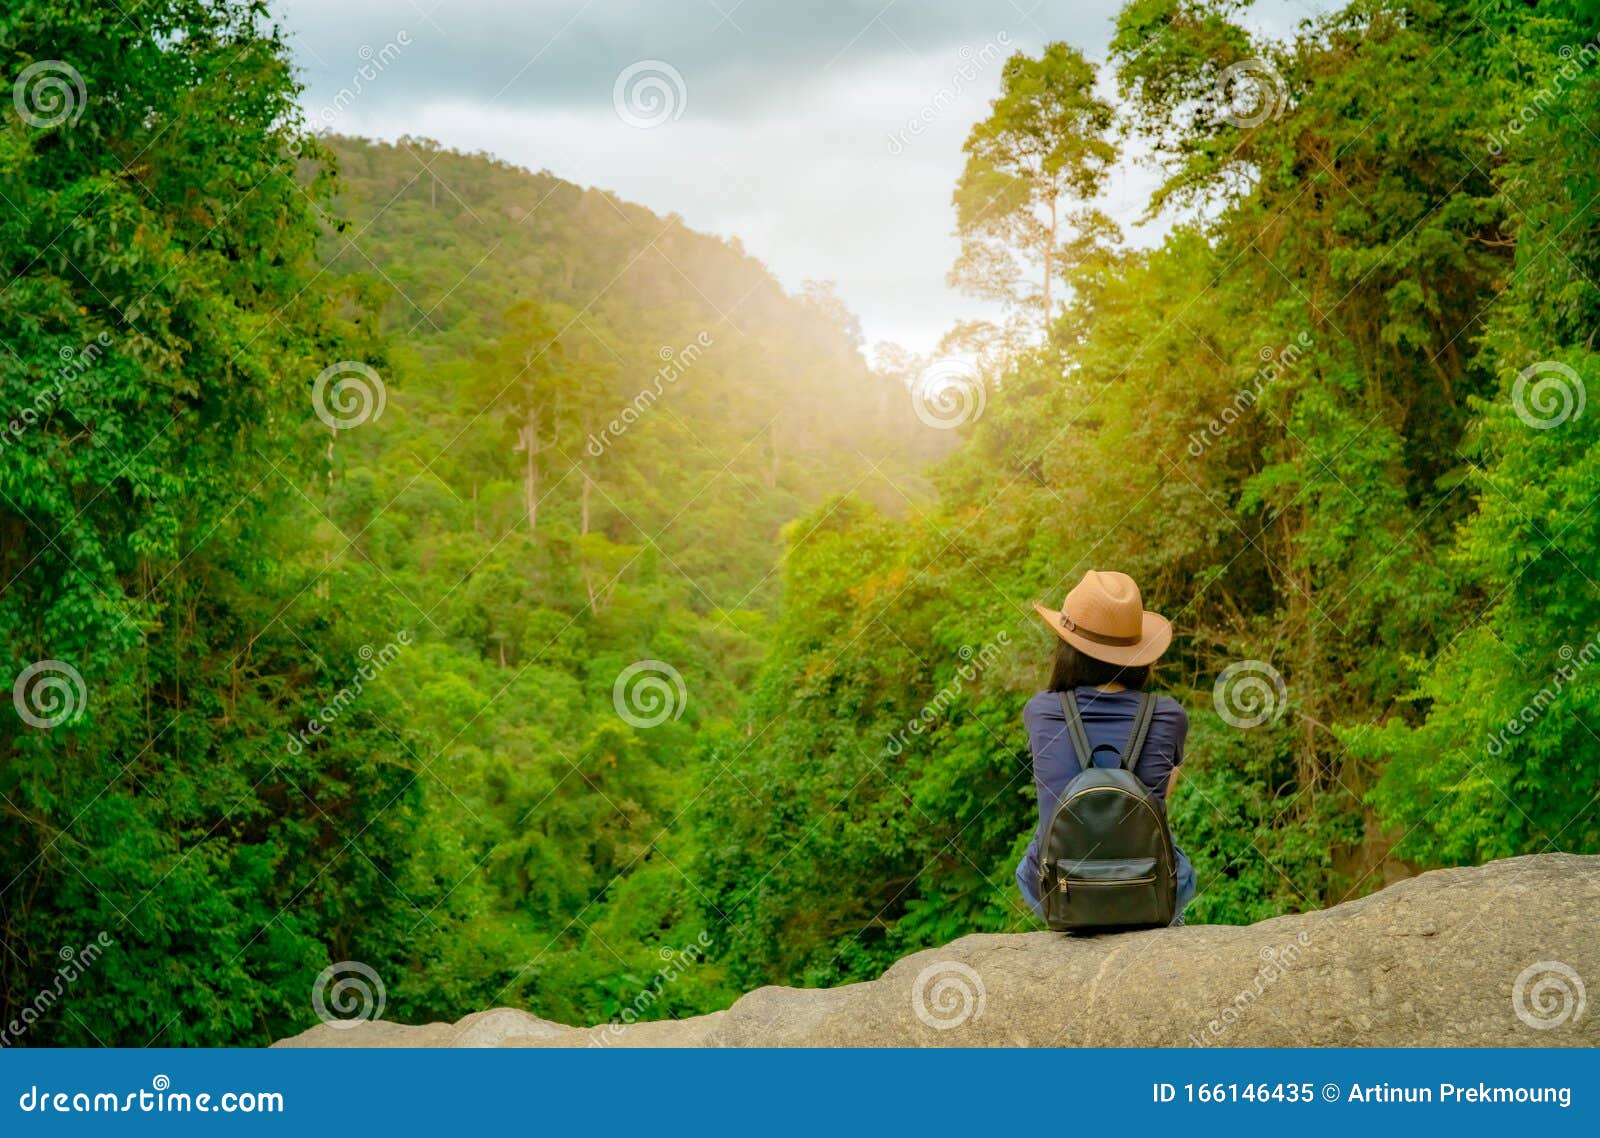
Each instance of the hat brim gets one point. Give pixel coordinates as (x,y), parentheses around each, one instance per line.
(1155,636)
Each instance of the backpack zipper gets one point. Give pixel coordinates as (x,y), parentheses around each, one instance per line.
(1061,882)
(1109,790)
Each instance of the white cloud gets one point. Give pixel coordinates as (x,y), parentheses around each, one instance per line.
(785,139)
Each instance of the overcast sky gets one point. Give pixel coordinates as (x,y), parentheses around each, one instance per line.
(781,122)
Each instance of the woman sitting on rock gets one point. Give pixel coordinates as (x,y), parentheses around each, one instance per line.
(1107,859)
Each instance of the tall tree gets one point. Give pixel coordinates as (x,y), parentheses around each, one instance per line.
(1034,166)
(524,386)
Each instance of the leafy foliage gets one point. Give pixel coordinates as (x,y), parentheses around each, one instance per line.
(1033,168)
(352,694)
(1294,424)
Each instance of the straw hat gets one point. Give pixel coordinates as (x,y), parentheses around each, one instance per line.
(1104,617)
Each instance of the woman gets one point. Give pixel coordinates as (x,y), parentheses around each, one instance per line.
(1106,643)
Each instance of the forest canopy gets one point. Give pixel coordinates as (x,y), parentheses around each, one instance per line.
(418,562)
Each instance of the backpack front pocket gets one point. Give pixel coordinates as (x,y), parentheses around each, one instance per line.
(1105,892)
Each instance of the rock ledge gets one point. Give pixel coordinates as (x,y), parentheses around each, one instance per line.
(1492,956)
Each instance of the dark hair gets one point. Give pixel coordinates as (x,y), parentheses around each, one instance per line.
(1074,669)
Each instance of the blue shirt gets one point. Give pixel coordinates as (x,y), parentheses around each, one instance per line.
(1107,718)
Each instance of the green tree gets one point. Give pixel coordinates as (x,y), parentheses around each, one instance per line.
(1500,757)
(163,333)
(1034,166)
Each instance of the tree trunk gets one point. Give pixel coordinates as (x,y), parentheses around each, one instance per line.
(1049,264)
(583,507)
(528,443)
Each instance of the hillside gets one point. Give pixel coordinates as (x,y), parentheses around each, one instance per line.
(694,406)
(412,641)
(597,424)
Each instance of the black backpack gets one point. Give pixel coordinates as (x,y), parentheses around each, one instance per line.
(1107,860)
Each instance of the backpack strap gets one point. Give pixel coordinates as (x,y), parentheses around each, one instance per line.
(1080,738)
(1141,728)
(1075,731)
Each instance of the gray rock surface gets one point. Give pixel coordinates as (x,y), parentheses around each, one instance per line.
(1493,956)
(480,1029)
